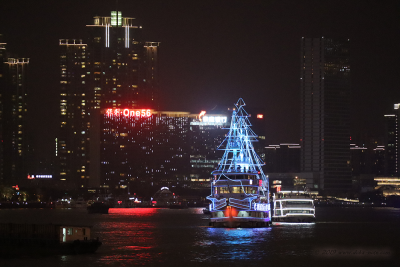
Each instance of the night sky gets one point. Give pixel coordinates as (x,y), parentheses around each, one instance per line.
(213,52)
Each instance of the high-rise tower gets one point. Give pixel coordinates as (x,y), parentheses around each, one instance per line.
(73,140)
(2,85)
(392,145)
(114,68)
(325,104)
(124,65)
(13,117)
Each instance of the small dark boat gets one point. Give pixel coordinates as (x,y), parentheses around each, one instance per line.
(98,207)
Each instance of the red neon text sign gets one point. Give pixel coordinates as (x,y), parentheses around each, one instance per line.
(139,113)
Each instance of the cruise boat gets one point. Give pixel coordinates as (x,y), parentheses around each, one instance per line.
(293,207)
(239,188)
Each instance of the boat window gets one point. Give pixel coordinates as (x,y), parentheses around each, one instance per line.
(298,203)
(298,211)
(251,189)
(223,190)
(64,234)
(237,190)
(70,231)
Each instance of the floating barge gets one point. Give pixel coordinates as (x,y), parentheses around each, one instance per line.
(35,240)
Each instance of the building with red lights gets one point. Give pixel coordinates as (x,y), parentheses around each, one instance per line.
(144,150)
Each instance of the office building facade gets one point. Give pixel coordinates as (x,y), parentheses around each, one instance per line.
(325,130)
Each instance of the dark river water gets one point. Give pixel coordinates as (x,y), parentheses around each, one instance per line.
(167,237)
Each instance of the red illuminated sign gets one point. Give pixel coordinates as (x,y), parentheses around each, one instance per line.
(131,113)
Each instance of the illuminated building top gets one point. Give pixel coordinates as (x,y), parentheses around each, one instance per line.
(71,42)
(115,20)
(17,61)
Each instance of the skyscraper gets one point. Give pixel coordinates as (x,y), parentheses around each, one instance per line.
(325,103)
(392,131)
(2,85)
(72,152)
(114,68)
(124,66)
(13,117)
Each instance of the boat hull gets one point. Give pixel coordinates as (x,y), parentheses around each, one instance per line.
(294,219)
(258,219)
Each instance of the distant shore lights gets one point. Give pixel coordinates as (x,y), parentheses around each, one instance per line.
(138,113)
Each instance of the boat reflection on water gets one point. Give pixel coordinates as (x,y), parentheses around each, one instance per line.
(168,237)
(129,236)
(232,243)
(135,211)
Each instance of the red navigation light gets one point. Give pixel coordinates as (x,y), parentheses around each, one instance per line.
(260,116)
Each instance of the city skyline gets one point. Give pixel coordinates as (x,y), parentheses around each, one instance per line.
(212,53)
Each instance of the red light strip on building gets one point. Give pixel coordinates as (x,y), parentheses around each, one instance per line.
(139,113)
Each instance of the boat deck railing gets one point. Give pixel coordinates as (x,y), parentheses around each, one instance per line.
(240,203)
(219,203)
(280,197)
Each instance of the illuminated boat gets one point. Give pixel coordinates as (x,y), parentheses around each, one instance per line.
(293,207)
(239,188)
